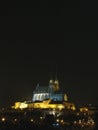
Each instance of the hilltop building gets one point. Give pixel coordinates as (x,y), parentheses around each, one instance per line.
(47,97)
(52,91)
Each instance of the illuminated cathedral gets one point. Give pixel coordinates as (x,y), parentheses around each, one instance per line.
(46,97)
(52,91)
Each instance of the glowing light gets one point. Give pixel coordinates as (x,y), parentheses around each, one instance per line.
(62,121)
(80,122)
(75,122)
(51,81)
(60,107)
(73,108)
(84,109)
(15,119)
(3,119)
(17,105)
(23,105)
(31,120)
(57,120)
(41,117)
(65,97)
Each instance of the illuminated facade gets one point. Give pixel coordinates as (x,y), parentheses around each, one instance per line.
(46,104)
(46,98)
(52,91)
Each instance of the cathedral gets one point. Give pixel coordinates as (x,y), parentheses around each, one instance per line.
(46,97)
(52,91)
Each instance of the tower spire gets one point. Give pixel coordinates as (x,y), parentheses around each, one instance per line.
(56,82)
(51,78)
(56,74)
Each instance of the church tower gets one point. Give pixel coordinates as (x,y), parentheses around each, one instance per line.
(51,86)
(56,84)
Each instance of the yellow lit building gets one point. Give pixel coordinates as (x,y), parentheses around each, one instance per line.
(47,104)
(47,97)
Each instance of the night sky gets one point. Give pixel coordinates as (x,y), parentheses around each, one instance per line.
(42,38)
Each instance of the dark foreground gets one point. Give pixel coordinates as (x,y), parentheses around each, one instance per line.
(29,126)
(42,128)
(35,119)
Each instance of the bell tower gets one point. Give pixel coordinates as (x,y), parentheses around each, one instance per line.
(56,83)
(51,86)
